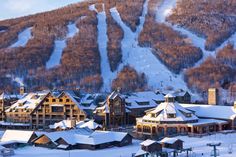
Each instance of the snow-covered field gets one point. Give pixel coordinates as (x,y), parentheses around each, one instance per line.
(23,38)
(59,46)
(17,8)
(198,145)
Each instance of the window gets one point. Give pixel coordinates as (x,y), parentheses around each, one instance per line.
(57,109)
(53,100)
(81,117)
(67,100)
(61,100)
(153,115)
(171,115)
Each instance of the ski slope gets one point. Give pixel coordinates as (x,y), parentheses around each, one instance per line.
(59,46)
(106,72)
(142,59)
(165,9)
(23,38)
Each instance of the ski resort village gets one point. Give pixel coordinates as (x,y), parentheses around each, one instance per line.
(118,78)
(139,124)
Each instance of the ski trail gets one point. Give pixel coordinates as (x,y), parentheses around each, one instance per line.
(106,72)
(59,46)
(165,9)
(142,59)
(23,38)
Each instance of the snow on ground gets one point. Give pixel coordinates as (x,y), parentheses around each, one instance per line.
(59,46)
(106,72)
(198,145)
(17,8)
(142,59)
(23,38)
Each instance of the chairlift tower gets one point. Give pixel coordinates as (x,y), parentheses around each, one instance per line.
(215,151)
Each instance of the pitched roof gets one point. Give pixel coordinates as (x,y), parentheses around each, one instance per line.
(91,125)
(148,142)
(212,111)
(29,101)
(161,113)
(169,140)
(17,135)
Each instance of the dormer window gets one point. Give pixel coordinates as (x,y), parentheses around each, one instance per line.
(153,115)
(171,115)
(169,98)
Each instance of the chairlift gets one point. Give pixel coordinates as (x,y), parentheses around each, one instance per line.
(217,152)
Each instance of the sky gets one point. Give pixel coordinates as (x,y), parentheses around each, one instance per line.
(17,8)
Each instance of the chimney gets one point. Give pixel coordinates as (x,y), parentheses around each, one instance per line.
(213,96)
(22,90)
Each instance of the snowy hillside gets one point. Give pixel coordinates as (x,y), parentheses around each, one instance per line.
(91,52)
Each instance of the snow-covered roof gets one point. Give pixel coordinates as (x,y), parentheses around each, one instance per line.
(17,135)
(212,111)
(91,125)
(146,99)
(207,121)
(29,101)
(169,140)
(148,142)
(64,124)
(162,111)
(90,138)
(169,95)
(141,152)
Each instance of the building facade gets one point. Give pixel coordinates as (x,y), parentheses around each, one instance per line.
(113,112)
(170,118)
(55,107)
(40,109)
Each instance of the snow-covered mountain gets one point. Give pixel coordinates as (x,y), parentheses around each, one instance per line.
(76,45)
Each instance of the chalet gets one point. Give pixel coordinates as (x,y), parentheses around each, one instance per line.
(55,107)
(172,143)
(132,105)
(20,111)
(171,118)
(17,138)
(151,146)
(90,140)
(113,111)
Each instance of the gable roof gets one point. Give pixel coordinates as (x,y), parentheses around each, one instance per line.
(170,140)
(212,111)
(17,135)
(161,113)
(29,101)
(148,142)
